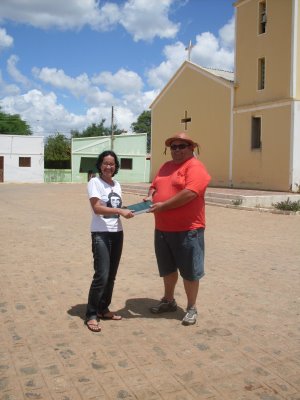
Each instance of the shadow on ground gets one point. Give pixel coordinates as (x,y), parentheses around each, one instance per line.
(134,308)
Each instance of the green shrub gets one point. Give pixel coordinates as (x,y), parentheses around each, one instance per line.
(237,202)
(288,205)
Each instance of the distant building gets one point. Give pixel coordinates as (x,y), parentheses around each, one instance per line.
(131,150)
(248,123)
(21,159)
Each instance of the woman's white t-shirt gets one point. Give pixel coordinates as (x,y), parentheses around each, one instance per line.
(110,196)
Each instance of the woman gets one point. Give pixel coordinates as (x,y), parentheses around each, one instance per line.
(107,238)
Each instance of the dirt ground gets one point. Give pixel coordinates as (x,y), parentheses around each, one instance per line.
(245,344)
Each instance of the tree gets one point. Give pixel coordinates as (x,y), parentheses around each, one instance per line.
(143,125)
(12,124)
(57,152)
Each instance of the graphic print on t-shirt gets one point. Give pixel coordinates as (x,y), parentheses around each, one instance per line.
(114,200)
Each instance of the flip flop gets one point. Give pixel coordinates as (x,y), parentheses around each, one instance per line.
(93,325)
(110,315)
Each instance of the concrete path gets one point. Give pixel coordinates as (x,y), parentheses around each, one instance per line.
(245,344)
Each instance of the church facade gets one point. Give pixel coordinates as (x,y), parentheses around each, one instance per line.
(190,102)
(247,123)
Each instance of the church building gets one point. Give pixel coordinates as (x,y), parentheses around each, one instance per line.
(247,122)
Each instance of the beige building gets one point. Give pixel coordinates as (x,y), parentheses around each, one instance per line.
(247,123)
(198,101)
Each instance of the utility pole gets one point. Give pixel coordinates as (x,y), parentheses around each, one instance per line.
(112,129)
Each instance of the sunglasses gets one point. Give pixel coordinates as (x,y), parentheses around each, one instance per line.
(179,146)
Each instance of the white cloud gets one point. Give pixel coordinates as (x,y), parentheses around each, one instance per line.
(54,13)
(5,40)
(143,19)
(124,117)
(96,96)
(7,89)
(227,34)
(146,19)
(78,87)
(139,103)
(208,51)
(33,107)
(58,79)
(122,81)
(46,116)
(33,104)
(14,72)
(108,17)
(175,55)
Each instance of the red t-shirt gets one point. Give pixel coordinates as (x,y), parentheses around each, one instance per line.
(171,179)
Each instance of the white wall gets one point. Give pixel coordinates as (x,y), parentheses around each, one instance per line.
(14,146)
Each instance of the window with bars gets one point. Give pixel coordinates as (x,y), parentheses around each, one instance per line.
(261,73)
(262,17)
(24,161)
(256,133)
(126,163)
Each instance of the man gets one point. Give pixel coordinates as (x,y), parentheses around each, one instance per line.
(178,192)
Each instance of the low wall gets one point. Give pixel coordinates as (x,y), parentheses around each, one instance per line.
(57,175)
(65,176)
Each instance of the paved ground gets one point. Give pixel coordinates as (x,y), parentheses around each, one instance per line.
(245,344)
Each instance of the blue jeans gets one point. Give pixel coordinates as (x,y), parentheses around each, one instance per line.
(107,250)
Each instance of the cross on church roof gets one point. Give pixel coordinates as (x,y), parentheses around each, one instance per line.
(189,50)
(185,120)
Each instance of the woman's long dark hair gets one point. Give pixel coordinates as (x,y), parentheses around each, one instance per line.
(105,154)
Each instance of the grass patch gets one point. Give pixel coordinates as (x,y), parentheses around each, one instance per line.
(237,202)
(287,205)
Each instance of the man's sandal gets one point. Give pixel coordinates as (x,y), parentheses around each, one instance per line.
(93,325)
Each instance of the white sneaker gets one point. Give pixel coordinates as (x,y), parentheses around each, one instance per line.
(190,317)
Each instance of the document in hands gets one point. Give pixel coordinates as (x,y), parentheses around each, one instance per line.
(141,207)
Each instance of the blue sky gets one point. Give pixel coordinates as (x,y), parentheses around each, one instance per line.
(64,64)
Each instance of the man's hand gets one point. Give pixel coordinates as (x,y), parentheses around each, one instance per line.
(180,199)
(148,198)
(157,207)
(126,213)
